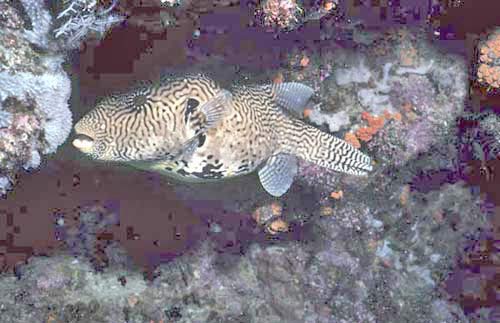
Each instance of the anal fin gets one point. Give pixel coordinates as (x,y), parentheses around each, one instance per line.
(278,173)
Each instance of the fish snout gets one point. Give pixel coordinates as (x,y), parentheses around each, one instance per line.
(83,143)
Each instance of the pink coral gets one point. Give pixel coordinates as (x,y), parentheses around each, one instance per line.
(489,67)
(17,139)
(280,13)
(18,142)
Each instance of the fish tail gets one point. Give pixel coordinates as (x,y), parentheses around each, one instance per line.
(323,149)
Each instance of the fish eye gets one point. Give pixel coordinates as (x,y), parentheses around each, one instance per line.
(192,103)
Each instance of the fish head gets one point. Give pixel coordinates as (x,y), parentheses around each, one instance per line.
(127,127)
(153,121)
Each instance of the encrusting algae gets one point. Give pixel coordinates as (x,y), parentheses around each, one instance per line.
(191,128)
(375,123)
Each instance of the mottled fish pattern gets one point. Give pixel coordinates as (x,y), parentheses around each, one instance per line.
(191,128)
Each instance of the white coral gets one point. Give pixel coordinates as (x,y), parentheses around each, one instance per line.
(423,69)
(355,74)
(51,92)
(335,121)
(41,22)
(5,119)
(34,161)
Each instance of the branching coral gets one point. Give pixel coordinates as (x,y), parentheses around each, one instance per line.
(80,17)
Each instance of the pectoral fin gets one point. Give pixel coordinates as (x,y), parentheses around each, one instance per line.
(188,149)
(214,109)
(278,173)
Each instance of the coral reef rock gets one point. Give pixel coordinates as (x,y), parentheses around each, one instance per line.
(34,89)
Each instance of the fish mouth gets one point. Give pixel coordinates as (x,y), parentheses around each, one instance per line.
(83,143)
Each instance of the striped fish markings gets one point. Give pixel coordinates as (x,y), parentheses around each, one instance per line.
(190,128)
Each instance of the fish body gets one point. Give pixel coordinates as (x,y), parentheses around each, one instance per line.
(191,128)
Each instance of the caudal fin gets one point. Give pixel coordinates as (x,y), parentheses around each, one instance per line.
(323,149)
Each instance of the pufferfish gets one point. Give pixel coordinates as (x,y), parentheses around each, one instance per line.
(191,128)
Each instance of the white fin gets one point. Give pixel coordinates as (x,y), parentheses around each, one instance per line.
(215,108)
(293,96)
(188,149)
(277,174)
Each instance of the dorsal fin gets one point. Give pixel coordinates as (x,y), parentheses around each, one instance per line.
(292,96)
